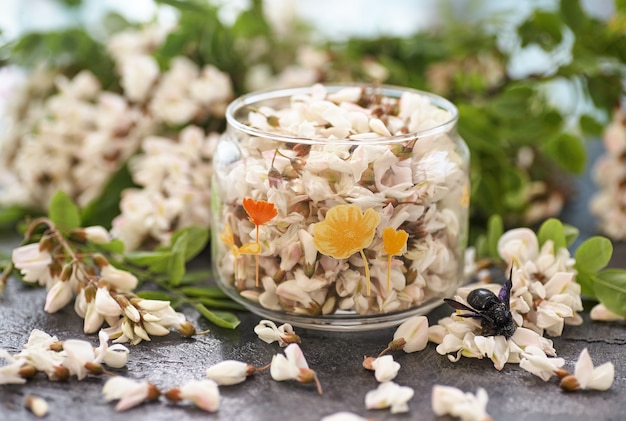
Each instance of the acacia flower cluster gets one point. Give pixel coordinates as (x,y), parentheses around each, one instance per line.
(59,360)
(608,203)
(338,184)
(102,292)
(78,136)
(544,297)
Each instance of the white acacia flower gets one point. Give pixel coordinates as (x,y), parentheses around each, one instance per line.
(385,368)
(115,356)
(600,312)
(389,395)
(343,416)
(78,353)
(105,304)
(138,75)
(518,245)
(590,377)
(447,400)
(58,296)
(10,371)
(97,234)
(32,262)
(204,394)
(129,392)
(38,406)
(229,372)
(118,278)
(536,361)
(268,332)
(288,366)
(38,353)
(415,333)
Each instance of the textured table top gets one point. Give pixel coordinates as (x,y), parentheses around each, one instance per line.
(336,357)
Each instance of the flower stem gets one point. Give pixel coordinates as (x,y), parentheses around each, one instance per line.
(367,271)
(257,257)
(389,273)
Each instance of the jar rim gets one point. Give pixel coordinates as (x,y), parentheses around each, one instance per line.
(391,91)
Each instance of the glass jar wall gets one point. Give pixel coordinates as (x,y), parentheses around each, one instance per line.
(340,207)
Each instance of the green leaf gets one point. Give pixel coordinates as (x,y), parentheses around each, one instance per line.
(220,304)
(513,102)
(543,29)
(146,258)
(593,254)
(210,292)
(568,151)
(571,233)
(10,216)
(197,238)
(573,15)
(590,126)
(113,246)
(155,295)
(176,262)
(585,280)
(105,207)
(610,288)
(495,229)
(552,229)
(218,318)
(196,276)
(63,212)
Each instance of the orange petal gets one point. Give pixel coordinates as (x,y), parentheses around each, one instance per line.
(260,212)
(394,241)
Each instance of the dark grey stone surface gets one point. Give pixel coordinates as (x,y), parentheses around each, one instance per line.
(514,394)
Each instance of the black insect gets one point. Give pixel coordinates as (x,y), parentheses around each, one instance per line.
(494,311)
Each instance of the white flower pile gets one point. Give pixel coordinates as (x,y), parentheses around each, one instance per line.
(544,298)
(174,177)
(77,137)
(59,360)
(609,173)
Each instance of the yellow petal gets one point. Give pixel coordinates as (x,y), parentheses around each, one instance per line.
(250,248)
(345,231)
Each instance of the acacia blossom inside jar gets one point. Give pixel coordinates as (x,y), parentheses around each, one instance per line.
(340,207)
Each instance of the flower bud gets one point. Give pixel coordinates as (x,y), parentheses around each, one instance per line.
(100,261)
(415,332)
(67,271)
(367,363)
(187,329)
(60,374)
(97,234)
(229,372)
(120,279)
(36,405)
(94,368)
(27,371)
(58,297)
(570,383)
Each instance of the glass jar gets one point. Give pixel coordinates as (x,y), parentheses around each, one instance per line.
(340,207)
